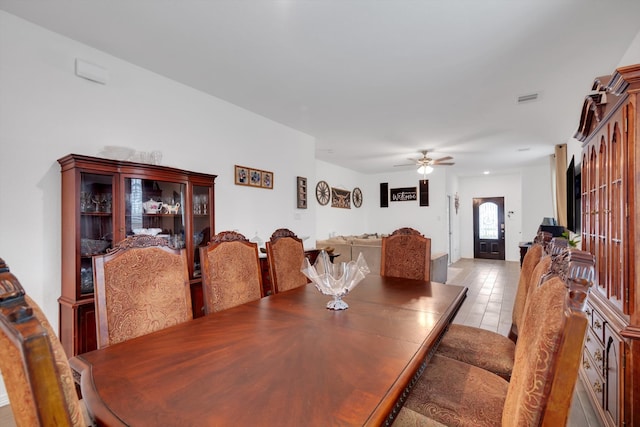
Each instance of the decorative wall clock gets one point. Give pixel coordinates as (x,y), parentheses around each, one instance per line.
(323,193)
(357,197)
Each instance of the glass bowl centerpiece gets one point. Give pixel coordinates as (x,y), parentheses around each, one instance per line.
(337,279)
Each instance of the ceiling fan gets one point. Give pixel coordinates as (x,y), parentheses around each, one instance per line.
(425,164)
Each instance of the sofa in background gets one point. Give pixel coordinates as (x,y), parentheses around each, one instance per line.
(370,245)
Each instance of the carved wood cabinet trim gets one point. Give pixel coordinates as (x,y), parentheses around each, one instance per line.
(610,204)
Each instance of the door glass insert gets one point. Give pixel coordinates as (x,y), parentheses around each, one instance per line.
(488,214)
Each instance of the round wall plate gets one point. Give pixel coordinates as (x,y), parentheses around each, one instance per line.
(323,192)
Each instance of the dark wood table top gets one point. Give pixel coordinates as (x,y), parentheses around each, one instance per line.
(282,360)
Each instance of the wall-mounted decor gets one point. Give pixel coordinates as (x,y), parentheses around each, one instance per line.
(340,198)
(267,180)
(242,175)
(357,197)
(323,193)
(301,185)
(253,177)
(457,202)
(384,194)
(423,186)
(403,194)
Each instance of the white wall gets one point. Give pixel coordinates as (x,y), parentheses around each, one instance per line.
(47,112)
(371,218)
(537,203)
(632,55)
(429,220)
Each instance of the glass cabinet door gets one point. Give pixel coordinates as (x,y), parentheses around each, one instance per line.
(96,223)
(201,223)
(155,208)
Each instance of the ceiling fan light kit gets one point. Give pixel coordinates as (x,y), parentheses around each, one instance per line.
(425,164)
(425,170)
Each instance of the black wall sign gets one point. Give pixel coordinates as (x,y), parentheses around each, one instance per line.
(403,194)
(424,192)
(384,195)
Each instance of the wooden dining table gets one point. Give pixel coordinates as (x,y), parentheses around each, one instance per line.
(283,360)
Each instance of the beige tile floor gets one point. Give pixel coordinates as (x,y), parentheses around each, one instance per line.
(492,289)
(6,418)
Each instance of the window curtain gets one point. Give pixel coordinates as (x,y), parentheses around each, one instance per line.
(561,184)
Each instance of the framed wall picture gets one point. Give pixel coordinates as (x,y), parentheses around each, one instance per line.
(255,177)
(242,175)
(267,180)
(340,198)
(301,185)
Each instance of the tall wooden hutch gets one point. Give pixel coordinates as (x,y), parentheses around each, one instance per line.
(610,202)
(104,201)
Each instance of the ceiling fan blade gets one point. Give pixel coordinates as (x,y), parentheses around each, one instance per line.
(443,163)
(406,164)
(443,158)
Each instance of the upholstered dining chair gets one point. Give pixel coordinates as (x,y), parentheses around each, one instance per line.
(531,259)
(231,272)
(544,375)
(406,253)
(34,366)
(285,253)
(488,349)
(141,286)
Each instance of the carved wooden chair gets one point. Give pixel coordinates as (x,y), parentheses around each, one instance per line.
(231,272)
(406,253)
(544,375)
(531,259)
(285,253)
(141,286)
(34,366)
(490,350)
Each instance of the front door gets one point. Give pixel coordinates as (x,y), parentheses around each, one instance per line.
(488,228)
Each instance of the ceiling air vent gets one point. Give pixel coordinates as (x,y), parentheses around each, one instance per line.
(527,98)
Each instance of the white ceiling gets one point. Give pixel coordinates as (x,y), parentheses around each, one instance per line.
(374,81)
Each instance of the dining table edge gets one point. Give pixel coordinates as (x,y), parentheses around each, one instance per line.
(99,413)
(386,411)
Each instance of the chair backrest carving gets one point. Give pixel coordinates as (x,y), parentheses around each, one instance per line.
(285,253)
(406,253)
(543,237)
(230,272)
(571,263)
(548,354)
(141,286)
(34,366)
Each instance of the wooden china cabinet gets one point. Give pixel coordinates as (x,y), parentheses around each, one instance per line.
(610,201)
(104,201)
